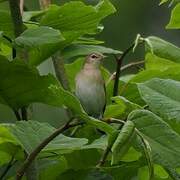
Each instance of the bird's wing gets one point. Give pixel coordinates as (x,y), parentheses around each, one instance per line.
(105,97)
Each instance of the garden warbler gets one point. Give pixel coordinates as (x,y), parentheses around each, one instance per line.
(90,86)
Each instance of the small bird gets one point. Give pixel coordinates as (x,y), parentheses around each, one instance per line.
(90,86)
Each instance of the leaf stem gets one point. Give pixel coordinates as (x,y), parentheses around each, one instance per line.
(119,62)
(43,144)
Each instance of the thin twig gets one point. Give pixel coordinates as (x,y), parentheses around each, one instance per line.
(123,68)
(130,65)
(43,144)
(118,69)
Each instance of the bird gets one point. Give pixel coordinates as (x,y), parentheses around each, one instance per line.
(90,86)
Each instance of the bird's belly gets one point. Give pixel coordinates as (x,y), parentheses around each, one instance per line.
(91,96)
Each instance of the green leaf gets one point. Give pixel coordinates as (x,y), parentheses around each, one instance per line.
(28,15)
(175,18)
(121,108)
(50,168)
(164,142)
(153,62)
(30,134)
(35,37)
(6,24)
(125,171)
(122,142)
(75,19)
(43,89)
(82,50)
(163,49)
(162,97)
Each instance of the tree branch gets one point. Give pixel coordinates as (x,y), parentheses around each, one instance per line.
(43,144)
(16,16)
(18,117)
(58,62)
(118,69)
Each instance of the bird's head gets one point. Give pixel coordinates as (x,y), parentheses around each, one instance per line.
(94,59)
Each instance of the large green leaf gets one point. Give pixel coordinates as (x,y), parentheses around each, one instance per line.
(50,168)
(175,18)
(30,134)
(164,142)
(122,142)
(153,62)
(82,50)
(75,18)
(21,85)
(163,49)
(163,98)
(36,37)
(6,24)
(130,91)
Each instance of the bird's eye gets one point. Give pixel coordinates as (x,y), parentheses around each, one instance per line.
(94,56)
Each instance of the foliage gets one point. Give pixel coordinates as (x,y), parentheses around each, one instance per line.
(139,135)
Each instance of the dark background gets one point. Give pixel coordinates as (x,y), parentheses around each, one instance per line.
(145,17)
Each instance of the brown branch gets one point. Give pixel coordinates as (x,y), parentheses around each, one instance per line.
(16,16)
(118,69)
(60,71)
(130,65)
(43,144)
(18,117)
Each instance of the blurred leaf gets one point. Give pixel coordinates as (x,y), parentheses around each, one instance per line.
(163,49)
(122,142)
(28,15)
(5,158)
(163,98)
(35,37)
(6,24)
(30,134)
(82,50)
(175,18)
(164,142)
(87,40)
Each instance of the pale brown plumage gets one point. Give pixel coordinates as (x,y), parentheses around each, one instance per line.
(90,86)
